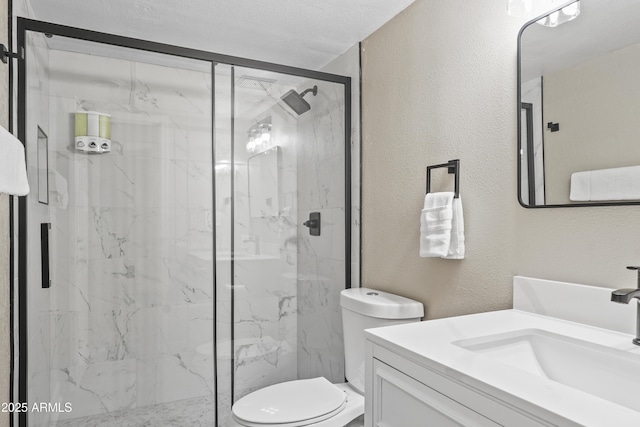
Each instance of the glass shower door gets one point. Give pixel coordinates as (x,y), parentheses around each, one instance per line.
(197,240)
(125,332)
(280,161)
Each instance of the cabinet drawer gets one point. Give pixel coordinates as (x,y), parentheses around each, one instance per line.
(401,401)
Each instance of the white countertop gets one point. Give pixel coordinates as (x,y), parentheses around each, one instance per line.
(430,344)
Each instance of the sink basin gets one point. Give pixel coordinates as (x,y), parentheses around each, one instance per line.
(601,371)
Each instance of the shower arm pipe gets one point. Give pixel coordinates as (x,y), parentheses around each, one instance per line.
(311,89)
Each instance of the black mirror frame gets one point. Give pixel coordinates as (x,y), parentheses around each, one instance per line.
(519,130)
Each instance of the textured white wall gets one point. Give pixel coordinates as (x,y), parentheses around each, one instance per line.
(596,104)
(439,82)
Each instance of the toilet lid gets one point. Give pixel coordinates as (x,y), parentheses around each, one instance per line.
(290,403)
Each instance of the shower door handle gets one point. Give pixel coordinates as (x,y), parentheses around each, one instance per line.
(44,254)
(313,223)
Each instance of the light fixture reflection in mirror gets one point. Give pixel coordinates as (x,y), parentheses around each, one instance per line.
(566,14)
(530,9)
(259,136)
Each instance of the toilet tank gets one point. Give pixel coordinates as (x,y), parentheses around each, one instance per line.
(364,308)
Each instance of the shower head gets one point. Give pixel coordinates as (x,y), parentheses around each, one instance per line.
(296,100)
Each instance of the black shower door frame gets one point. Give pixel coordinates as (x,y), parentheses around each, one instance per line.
(19,308)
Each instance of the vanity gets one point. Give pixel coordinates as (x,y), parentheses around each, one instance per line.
(562,357)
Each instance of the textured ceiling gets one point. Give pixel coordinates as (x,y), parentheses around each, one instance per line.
(301,33)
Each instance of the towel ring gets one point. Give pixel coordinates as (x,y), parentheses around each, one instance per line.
(453,166)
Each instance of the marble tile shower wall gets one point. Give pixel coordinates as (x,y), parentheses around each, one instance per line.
(132,298)
(321,259)
(39,332)
(129,319)
(265,315)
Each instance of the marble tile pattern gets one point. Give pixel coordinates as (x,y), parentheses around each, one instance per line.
(266,262)
(39,333)
(197,412)
(286,299)
(126,331)
(131,309)
(321,259)
(223,226)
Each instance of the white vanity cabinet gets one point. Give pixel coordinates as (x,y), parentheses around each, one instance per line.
(402,393)
(549,361)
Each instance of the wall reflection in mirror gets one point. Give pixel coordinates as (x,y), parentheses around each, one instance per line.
(579,98)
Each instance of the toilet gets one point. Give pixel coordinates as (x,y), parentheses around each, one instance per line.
(317,402)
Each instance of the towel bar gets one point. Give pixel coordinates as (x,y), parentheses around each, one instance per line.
(453,166)
(5,54)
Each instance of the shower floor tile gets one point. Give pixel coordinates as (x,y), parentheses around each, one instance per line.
(196,412)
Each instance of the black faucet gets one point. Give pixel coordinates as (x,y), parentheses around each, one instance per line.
(625,296)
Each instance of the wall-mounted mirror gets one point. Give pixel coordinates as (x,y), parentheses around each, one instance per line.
(579,100)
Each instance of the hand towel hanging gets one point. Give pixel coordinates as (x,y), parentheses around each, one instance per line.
(13,168)
(456,247)
(442,227)
(435,224)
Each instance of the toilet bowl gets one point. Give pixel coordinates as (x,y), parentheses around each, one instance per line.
(317,402)
(314,402)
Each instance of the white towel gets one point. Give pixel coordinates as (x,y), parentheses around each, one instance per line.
(456,248)
(435,225)
(606,184)
(13,169)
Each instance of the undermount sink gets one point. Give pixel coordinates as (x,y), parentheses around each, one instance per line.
(601,371)
(563,356)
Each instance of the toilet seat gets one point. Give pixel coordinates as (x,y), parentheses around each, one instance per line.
(290,404)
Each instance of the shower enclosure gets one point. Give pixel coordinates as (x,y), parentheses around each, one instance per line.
(186,236)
